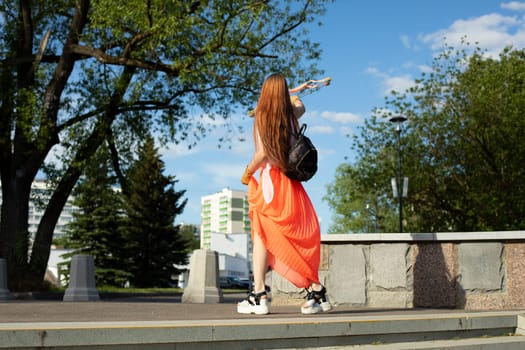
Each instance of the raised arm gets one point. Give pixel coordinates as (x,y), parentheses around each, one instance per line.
(311,86)
(305,88)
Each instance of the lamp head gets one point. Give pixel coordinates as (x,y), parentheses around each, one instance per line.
(398,119)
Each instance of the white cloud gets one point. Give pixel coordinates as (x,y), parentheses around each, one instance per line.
(513,5)
(399,83)
(492,32)
(321,129)
(391,82)
(342,117)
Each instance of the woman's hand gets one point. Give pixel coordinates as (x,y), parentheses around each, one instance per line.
(246,176)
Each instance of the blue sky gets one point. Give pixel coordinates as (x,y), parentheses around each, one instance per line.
(369,48)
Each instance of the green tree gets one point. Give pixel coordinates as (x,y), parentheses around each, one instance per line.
(97,228)
(360,206)
(461,146)
(189,233)
(75,74)
(153,244)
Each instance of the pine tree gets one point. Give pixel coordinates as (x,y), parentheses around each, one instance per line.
(153,243)
(96,229)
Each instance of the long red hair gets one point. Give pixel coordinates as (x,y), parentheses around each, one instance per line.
(275,120)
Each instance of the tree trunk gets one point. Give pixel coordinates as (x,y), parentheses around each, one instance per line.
(44,235)
(14,233)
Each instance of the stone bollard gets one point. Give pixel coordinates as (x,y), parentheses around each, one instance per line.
(5,294)
(203,283)
(82,280)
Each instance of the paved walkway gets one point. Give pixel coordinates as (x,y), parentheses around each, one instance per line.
(146,308)
(166,307)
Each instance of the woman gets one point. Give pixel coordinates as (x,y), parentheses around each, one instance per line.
(285,229)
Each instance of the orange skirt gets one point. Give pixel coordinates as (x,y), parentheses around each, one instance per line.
(283,216)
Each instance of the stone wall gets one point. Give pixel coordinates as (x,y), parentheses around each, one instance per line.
(462,270)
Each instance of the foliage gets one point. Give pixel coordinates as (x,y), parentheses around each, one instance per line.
(360,207)
(152,244)
(461,148)
(77,74)
(189,233)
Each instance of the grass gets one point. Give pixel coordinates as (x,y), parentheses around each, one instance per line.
(112,289)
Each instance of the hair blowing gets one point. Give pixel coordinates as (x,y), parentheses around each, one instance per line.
(274,118)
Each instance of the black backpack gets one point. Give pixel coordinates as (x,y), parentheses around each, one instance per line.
(302,159)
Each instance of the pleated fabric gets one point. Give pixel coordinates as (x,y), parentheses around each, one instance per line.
(283,216)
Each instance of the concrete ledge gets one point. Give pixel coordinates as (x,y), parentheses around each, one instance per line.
(427,236)
(453,270)
(276,333)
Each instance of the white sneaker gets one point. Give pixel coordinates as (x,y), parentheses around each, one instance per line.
(254,304)
(316,302)
(311,307)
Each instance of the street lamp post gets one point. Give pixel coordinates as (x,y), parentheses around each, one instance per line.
(398,120)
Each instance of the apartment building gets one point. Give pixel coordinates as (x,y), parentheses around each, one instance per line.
(223,212)
(225,228)
(39,196)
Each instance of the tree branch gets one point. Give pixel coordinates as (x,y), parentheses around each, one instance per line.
(102,57)
(286,29)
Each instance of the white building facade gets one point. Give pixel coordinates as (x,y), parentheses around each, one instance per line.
(225,228)
(234,253)
(40,194)
(223,212)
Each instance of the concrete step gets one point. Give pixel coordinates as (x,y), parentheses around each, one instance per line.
(332,331)
(493,343)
